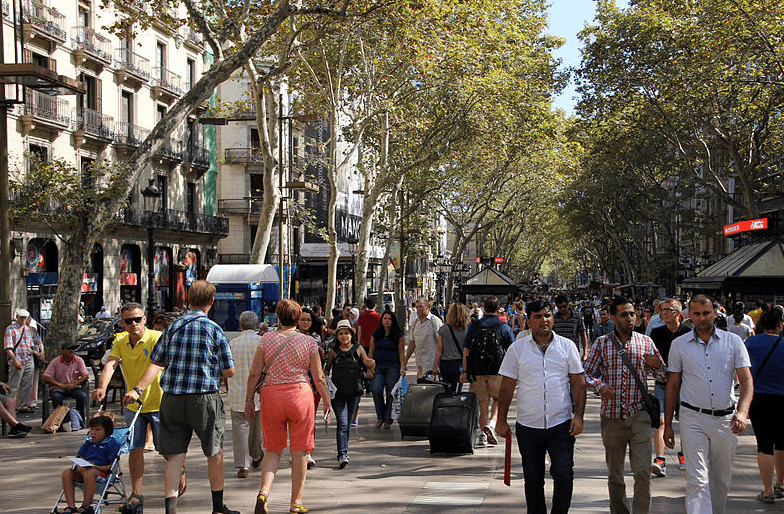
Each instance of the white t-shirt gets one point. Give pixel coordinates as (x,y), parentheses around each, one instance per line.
(542,380)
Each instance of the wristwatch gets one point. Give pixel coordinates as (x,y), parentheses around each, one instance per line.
(138,390)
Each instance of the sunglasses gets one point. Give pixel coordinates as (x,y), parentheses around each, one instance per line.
(137,320)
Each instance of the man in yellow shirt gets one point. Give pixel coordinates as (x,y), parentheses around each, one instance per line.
(133,347)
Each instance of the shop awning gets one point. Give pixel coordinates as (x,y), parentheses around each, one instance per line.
(754,268)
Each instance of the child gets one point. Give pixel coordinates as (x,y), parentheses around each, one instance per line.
(100,450)
(346,356)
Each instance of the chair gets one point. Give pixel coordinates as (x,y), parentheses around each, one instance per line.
(116,384)
(112,485)
(46,404)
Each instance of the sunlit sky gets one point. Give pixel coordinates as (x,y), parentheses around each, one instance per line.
(567,18)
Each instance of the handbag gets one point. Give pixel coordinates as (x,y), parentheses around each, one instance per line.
(269,363)
(649,402)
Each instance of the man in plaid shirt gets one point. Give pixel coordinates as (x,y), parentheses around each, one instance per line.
(195,356)
(624,422)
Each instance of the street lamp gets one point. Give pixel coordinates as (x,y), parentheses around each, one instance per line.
(151,195)
(352,247)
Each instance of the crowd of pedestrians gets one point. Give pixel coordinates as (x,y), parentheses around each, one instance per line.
(709,375)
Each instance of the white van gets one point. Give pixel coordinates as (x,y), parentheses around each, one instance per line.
(389,299)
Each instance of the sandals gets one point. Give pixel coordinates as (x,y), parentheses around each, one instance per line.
(183,483)
(766,497)
(243,473)
(379,423)
(297,508)
(778,492)
(261,502)
(70,510)
(135,500)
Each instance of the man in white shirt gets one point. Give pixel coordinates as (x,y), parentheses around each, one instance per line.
(423,338)
(542,365)
(702,366)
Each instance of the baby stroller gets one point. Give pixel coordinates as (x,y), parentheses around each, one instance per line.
(110,489)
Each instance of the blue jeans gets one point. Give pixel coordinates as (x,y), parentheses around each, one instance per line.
(58,396)
(344,408)
(450,373)
(556,441)
(385,378)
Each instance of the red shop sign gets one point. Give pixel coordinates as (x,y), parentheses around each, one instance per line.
(745,226)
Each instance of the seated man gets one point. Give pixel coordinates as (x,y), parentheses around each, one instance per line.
(65,375)
(7,406)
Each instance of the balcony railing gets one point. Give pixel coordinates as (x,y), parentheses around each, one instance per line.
(94,123)
(133,63)
(129,134)
(243,156)
(167,80)
(247,205)
(191,36)
(46,107)
(178,221)
(44,18)
(172,150)
(92,43)
(197,155)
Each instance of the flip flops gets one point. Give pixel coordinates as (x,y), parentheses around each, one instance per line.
(183,483)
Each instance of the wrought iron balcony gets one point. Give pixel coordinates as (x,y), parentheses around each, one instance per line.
(176,221)
(197,155)
(191,37)
(92,43)
(247,205)
(93,123)
(134,64)
(243,156)
(129,135)
(47,108)
(167,82)
(46,20)
(171,150)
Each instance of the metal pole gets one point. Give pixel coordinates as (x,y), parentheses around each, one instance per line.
(150,272)
(280,188)
(5,233)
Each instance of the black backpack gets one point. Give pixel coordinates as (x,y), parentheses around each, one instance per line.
(486,353)
(347,373)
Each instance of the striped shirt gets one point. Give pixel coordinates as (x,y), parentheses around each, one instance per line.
(192,351)
(243,349)
(605,361)
(570,328)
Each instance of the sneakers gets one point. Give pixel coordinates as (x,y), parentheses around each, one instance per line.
(355,423)
(343,461)
(681,462)
(659,467)
(491,440)
(311,462)
(481,441)
(19,430)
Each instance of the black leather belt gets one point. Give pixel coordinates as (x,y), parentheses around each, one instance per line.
(722,412)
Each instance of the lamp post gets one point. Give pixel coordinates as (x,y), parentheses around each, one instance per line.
(352,247)
(151,195)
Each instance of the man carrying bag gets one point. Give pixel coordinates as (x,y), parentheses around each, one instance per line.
(624,419)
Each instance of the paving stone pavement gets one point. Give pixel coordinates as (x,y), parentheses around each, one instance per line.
(386,475)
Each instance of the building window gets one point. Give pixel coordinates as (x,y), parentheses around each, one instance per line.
(163,185)
(160,58)
(87,169)
(191,67)
(190,197)
(126,107)
(161,112)
(256,185)
(92,99)
(37,154)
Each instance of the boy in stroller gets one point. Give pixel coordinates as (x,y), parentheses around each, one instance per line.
(99,451)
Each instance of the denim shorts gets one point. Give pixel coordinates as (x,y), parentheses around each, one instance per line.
(145,419)
(658,392)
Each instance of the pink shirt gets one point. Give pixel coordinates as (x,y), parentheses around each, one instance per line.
(292,364)
(66,373)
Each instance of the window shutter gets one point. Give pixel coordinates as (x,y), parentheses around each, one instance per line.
(98,95)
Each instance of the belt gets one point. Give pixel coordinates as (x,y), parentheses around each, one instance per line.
(722,412)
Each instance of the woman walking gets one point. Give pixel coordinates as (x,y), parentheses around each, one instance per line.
(448,363)
(388,350)
(767,367)
(345,360)
(280,369)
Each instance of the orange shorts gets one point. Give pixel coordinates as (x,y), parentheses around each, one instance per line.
(287,410)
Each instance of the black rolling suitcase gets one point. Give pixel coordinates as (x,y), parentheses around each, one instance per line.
(453,423)
(418,407)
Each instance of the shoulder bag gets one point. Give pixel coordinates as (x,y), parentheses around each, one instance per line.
(269,362)
(649,402)
(454,339)
(766,358)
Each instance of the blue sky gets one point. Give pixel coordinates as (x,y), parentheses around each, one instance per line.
(567,18)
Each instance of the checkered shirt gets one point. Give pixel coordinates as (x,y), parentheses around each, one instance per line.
(29,339)
(605,359)
(192,356)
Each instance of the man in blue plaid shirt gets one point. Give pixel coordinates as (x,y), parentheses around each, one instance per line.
(195,356)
